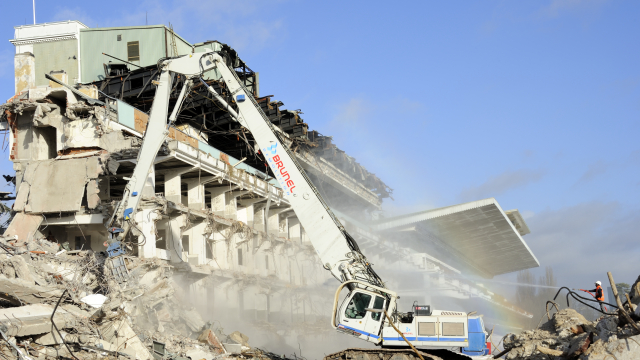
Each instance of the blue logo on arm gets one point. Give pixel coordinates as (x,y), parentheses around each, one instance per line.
(272,148)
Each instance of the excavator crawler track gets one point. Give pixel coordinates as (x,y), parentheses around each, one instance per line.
(393,354)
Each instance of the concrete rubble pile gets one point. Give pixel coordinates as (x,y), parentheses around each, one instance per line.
(569,335)
(58,303)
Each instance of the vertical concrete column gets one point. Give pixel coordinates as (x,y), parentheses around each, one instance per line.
(284,225)
(280,308)
(198,242)
(230,298)
(195,194)
(230,206)
(222,203)
(250,303)
(217,201)
(241,215)
(146,222)
(25,71)
(200,295)
(248,209)
(258,216)
(261,302)
(149,188)
(273,221)
(103,188)
(231,203)
(249,214)
(174,232)
(295,229)
(220,250)
(172,186)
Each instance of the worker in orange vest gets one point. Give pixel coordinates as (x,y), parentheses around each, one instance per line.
(597,293)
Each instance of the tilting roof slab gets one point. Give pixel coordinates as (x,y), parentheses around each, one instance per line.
(479,232)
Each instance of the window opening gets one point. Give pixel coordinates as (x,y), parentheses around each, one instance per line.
(185,243)
(239,256)
(209,247)
(133,51)
(357,306)
(83,242)
(161,240)
(378,304)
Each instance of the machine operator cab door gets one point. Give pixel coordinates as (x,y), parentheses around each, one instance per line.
(354,319)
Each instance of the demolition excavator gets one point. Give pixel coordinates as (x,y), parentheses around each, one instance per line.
(369,310)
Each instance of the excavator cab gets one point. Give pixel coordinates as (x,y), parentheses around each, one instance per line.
(355,315)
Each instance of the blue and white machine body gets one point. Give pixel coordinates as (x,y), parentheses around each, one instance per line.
(424,328)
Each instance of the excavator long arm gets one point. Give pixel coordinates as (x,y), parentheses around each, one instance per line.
(337,250)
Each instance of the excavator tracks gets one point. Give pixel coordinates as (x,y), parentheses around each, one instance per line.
(393,354)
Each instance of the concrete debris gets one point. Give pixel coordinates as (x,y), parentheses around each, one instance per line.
(239,338)
(569,335)
(94,300)
(67,305)
(24,226)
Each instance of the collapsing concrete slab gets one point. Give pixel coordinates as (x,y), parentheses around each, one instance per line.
(20,291)
(31,319)
(24,226)
(59,185)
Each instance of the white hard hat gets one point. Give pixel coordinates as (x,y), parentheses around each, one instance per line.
(598,282)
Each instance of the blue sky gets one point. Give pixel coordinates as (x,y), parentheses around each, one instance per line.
(535,103)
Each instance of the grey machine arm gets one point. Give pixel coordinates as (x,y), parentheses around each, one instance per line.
(337,250)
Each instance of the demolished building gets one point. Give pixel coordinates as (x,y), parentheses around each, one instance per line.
(211,209)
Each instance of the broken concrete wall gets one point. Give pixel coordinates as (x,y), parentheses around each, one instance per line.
(58,185)
(24,226)
(34,143)
(51,120)
(87,237)
(32,319)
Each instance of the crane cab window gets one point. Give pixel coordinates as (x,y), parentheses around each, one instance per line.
(378,304)
(357,306)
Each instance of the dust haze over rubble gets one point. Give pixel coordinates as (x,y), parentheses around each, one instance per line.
(313,341)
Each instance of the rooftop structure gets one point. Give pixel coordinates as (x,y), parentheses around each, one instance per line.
(474,233)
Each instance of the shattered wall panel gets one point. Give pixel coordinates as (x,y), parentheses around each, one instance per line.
(141,119)
(59,185)
(24,226)
(93,191)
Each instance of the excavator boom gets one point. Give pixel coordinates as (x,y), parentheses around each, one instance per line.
(361,311)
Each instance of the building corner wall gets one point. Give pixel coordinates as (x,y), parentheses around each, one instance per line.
(25,71)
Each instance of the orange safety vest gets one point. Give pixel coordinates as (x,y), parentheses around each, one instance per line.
(599,293)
